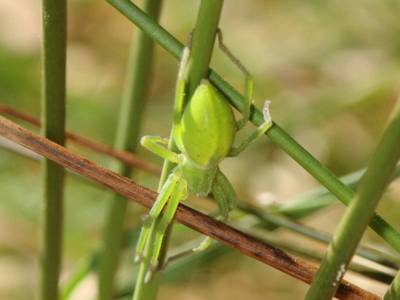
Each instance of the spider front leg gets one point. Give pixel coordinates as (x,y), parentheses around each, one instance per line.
(179,193)
(166,192)
(158,145)
(226,198)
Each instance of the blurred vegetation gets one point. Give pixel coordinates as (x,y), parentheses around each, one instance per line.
(331,69)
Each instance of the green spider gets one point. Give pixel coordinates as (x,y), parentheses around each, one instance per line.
(204,133)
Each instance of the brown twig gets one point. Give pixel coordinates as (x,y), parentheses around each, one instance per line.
(227,235)
(125,157)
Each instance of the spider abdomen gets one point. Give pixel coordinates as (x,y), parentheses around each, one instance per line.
(207,127)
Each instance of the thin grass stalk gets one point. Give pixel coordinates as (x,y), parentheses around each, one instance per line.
(359,213)
(277,135)
(202,44)
(393,293)
(127,137)
(54,19)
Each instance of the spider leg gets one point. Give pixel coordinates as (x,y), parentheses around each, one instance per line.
(263,128)
(181,86)
(228,190)
(179,193)
(226,199)
(249,80)
(165,193)
(249,91)
(157,145)
(219,196)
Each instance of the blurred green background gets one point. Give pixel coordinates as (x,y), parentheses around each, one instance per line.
(331,69)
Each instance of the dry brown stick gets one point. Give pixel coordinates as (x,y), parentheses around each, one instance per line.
(125,157)
(227,235)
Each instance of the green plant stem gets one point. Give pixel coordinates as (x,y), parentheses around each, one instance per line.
(202,44)
(127,137)
(54,21)
(276,134)
(359,213)
(393,293)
